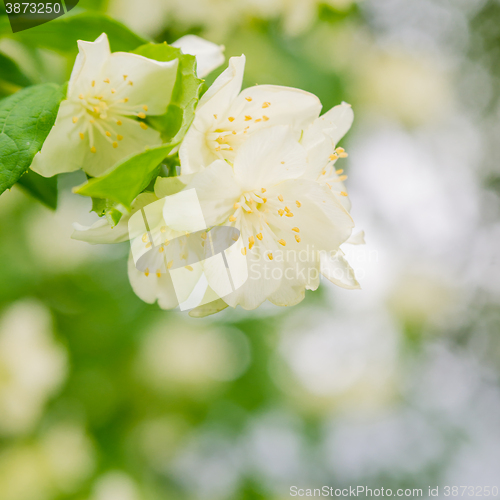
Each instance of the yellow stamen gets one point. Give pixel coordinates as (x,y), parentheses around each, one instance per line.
(93,83)
(343,178)
(270,255)
(248,99)
(161,249)
(75,119)
(247,118)
(280,197)
(130,82)
(113,91)
(170,264)
(189,268)
(115,144)
(215,116)
(258,120)
(119,137)
(264,200)
(147,272)
(244,250)
(265,118)
(251,242)
(80,96)
(108,133)
(82,136)
(266,104)
(343,155)
(282,242)
(232,218)
(339,171)
(93,149)
(343,193)
(158,273)
(145,108)
(143,126)
(289,214)
(296,229)
(145,237)
(339,150)
(282,162)
(281,212)
(236,205)
(298,204)
(259,236)
(263,190)
(148,245)
(333,157)
(125,77)
(231,118)
(297,238)
(125,100)
(106,80)
(141,115)
(203,236)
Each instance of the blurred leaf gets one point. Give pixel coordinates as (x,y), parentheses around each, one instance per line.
(129,178)
(11,77)
(61,34)
(174,124)
(44,189)
(26,119)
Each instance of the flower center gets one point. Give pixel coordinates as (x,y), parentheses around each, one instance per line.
(253,211)
(104,109)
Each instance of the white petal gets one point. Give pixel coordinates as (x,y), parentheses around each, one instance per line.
(209,56)
(357,239)
(135,140)
(89,62)
(268,157)
(165,186)
(193,153)
(151,288)
(217,192)
(274,105)
(153,81)
(334,124)
(208,309)
(63,150)
(336,269)
(322,220)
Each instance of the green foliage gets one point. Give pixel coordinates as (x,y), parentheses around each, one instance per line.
(61,34)
(128,178)
(44,189)
(26,119)
(174,124)
(11,77)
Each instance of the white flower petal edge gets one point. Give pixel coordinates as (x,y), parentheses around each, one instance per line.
(100,122)
(209,56)
(226,117)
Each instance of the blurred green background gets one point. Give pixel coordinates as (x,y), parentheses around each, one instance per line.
(103,397)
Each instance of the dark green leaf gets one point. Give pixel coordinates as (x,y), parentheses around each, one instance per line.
(128,178)
(180,113)
(11,77)
(62,34)
(44,189)
(26,119)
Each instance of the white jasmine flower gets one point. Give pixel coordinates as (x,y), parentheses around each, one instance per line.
(291,226)
(101,120)
(209,56)
(226,117)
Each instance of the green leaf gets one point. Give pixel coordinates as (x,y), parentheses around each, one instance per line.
(108,209)
(62,34)
(128,178)
(174,124)
(44,189)
(26,119)
(11,77)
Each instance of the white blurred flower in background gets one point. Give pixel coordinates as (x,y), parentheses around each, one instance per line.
(56,463)
(115,485)
(32,366)
(185,358)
